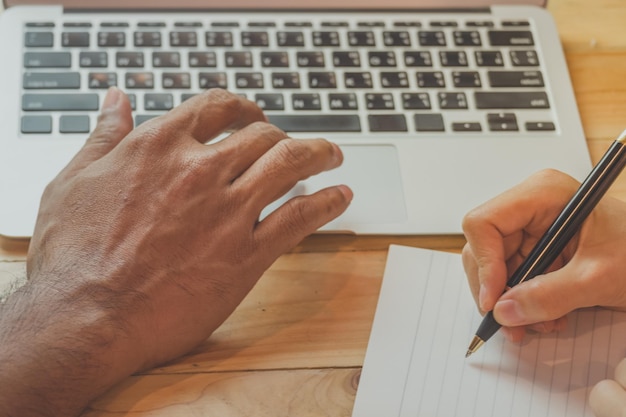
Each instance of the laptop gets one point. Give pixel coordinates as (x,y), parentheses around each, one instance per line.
(438,105)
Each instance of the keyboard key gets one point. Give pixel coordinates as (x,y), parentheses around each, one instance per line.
(286,80)
(262,24)
(47,60)
(238,59)
(310,59)
(515,79)
(298,24)
(38,39)
(51,80)
(151,24)
(249,38)
(176,80)
(397,38)
(387,123)
(502,122)
(183,39)
(466,38)
(305,101)
(417,59)
(270,101)
(515,23)
(524,58)
(371,24)
(325,38)
(249,79)
(219,38)
(317,122)
(346,59)
(429,122)
(202,59)
(102,79)
(342,101)
(378,101)
(60,102)
(188,24)
(361,38)
(139,80)
(158,101)
(111,39)
(358,80)
(394,79)
(39,24)
(165,59)
(432,79)
(540,126)
(480,24)
(322,80)
(444,24)
(510,38)
(431,38)
(36,124)
(75,39)
(274,59)
(74,124)
(452,101)
(132,98)
(466,127)
(142,118)
(129,59)
(511,100)
(466,79)
(147,39)
(416,101)
(407,24)
(335,24)
(114,25)
(453,58)
(381,59)
(290,38)
(93,59)
(489,58)
(212,80)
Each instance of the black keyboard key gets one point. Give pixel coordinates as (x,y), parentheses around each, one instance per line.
(249,79)
(317,122)
(254,38)
(188,24)
(93,59)
(142,118)
(238,59)
(176,80)
(479,24)
(453,58)
(511,100)
(213,80)
(379,101)
(361,38)
(306,101)
(112,39)
(466,127)
(322,80)
(394,79)
(540,126)
(466,79)
(202,59)
(515,79)
(75,39)
(290,38)
(270,101)
(225,24)
(387,123)
(524,58)
(515,23)
(186,96)
(74,124)
(371,24)
(510,38)
(36,124)
(502,122)
(381,59)
(140,80)
(165,59)
(51,80)
(452,101)
(342,101)
(444,24)
(274,59)
(298,24)
(286,80)
(132,98)
(183,39)
(60,102)
(489,58)
(346,59)
(151,24)
(310,59)
(431,79)
(39,24)
(129,59)
(147,39)
(102,79)
(418,59)
(262,24)
(158,101)
(407,24)
(219,38)
(466,38)
(358,80)
(429,122)
(38,39)
(396,38)
(114,25)
(325,38)
(416,101)
(340,24)
(47,59)
(431,38)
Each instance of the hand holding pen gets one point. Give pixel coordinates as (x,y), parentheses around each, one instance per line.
(578,262)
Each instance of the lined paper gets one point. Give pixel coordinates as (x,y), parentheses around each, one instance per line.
(415,364)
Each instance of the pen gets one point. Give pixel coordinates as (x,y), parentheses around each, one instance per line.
(562,230)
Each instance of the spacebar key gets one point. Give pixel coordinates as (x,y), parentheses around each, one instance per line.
(52,102)
(317,122)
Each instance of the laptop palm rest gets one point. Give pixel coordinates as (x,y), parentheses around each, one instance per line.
(373,174)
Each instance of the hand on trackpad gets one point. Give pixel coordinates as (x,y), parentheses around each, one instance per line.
(373,174)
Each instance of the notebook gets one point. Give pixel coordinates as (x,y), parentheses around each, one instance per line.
(438,105)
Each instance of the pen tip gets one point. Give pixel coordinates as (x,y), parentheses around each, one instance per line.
(476,343)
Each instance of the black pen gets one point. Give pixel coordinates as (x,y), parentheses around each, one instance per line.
(562,230)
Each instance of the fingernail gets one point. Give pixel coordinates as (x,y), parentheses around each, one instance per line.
(482,295)
(338,155)
(509,313)
(346,191)
(112,98)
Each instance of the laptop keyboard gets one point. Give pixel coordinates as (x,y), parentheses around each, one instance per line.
(422,75)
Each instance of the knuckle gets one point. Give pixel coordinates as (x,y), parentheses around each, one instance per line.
(229,103)
(293,154)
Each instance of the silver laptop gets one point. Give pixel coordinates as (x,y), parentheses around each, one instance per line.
(438,105)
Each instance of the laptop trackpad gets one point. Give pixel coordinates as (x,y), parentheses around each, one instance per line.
(373,174)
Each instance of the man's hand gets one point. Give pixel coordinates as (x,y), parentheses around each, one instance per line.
(148,240)
(608,398)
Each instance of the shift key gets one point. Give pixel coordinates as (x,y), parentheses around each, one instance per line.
(59,102)
(511,100)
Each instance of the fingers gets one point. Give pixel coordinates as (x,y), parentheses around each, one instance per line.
(608,398)
(114,123)
(284,228)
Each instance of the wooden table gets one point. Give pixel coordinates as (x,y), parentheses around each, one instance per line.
(296,344)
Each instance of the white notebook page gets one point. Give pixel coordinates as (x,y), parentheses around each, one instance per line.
(415,364)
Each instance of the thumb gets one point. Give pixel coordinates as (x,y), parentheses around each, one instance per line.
(544,298)
(114,123)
